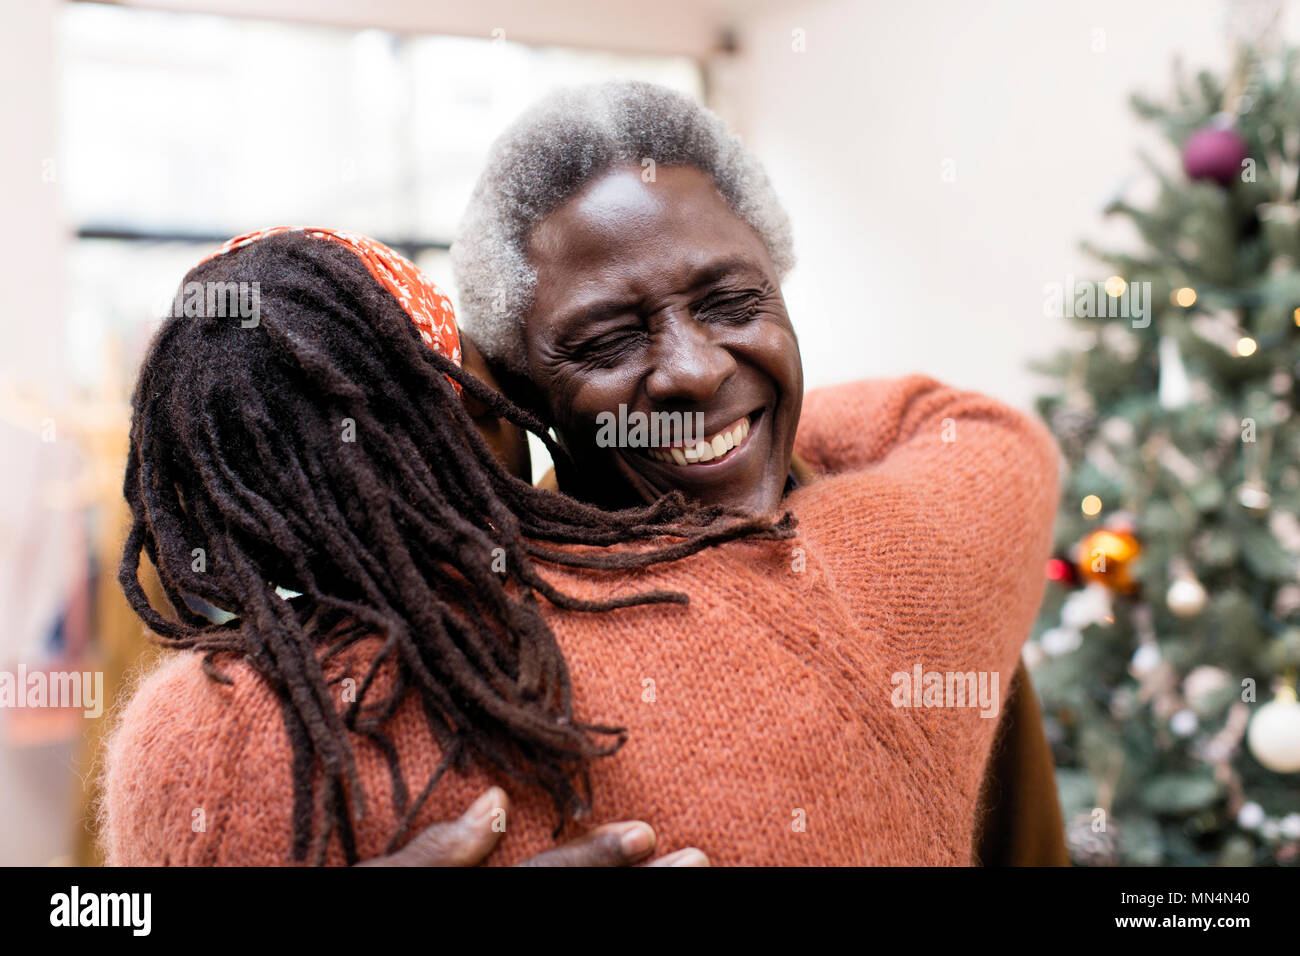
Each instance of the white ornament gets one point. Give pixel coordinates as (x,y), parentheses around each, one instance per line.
(1060,641)
(1250,815)
(1291,826)
(1175,389)
(1254,496)
(1274,733)
(1145,659)
(1184,723)
(1186,596)
(1091,605)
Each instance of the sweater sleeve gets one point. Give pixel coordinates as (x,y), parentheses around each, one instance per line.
(195,772)
(200,773)
(934,516)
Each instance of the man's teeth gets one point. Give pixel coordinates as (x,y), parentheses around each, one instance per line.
(706,450)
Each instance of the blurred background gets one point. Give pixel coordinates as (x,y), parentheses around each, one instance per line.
(942,162)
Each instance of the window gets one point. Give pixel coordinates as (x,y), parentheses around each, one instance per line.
(179,130)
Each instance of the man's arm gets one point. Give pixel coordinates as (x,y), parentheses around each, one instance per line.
(957,491)
(935,505)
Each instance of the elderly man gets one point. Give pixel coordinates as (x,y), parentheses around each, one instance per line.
(624,252)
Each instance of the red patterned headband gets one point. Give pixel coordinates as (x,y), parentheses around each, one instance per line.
(423,301)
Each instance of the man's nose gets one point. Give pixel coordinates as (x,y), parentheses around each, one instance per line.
(689,366)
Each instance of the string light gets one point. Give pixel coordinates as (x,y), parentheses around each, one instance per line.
(1185,297)
(1116,285)
(1091,506)
(1246,346)
(1296,315)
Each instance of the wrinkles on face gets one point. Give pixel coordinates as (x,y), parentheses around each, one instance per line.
(657,297)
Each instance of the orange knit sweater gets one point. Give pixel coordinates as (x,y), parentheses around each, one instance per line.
(764,719)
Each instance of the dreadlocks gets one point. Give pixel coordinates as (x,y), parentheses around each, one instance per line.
(326,450)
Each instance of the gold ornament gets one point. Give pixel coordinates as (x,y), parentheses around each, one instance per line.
(1106,557)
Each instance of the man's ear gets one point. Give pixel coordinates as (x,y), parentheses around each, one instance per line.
(509,442)
(493,374)
(518,388)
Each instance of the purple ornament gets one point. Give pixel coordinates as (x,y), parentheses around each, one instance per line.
(1214,153)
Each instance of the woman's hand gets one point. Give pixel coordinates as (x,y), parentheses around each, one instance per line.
(470,839)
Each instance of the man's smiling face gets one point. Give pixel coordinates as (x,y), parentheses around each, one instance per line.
(657,296)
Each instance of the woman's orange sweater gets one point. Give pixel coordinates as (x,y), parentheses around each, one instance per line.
(768,721)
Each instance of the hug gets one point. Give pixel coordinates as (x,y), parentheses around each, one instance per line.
(702,639)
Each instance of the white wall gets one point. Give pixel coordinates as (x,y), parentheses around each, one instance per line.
(30,241)
(899,270)
(35,822)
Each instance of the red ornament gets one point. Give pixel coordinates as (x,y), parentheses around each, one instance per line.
(1214,152)
(1062,571)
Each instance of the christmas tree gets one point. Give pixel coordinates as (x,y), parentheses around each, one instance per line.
(1168,646)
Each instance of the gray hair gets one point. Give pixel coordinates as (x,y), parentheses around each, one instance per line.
(547,156)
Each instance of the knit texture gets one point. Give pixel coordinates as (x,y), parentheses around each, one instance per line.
(762,719)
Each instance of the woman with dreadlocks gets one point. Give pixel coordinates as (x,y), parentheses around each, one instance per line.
(325,446)
(455,627)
